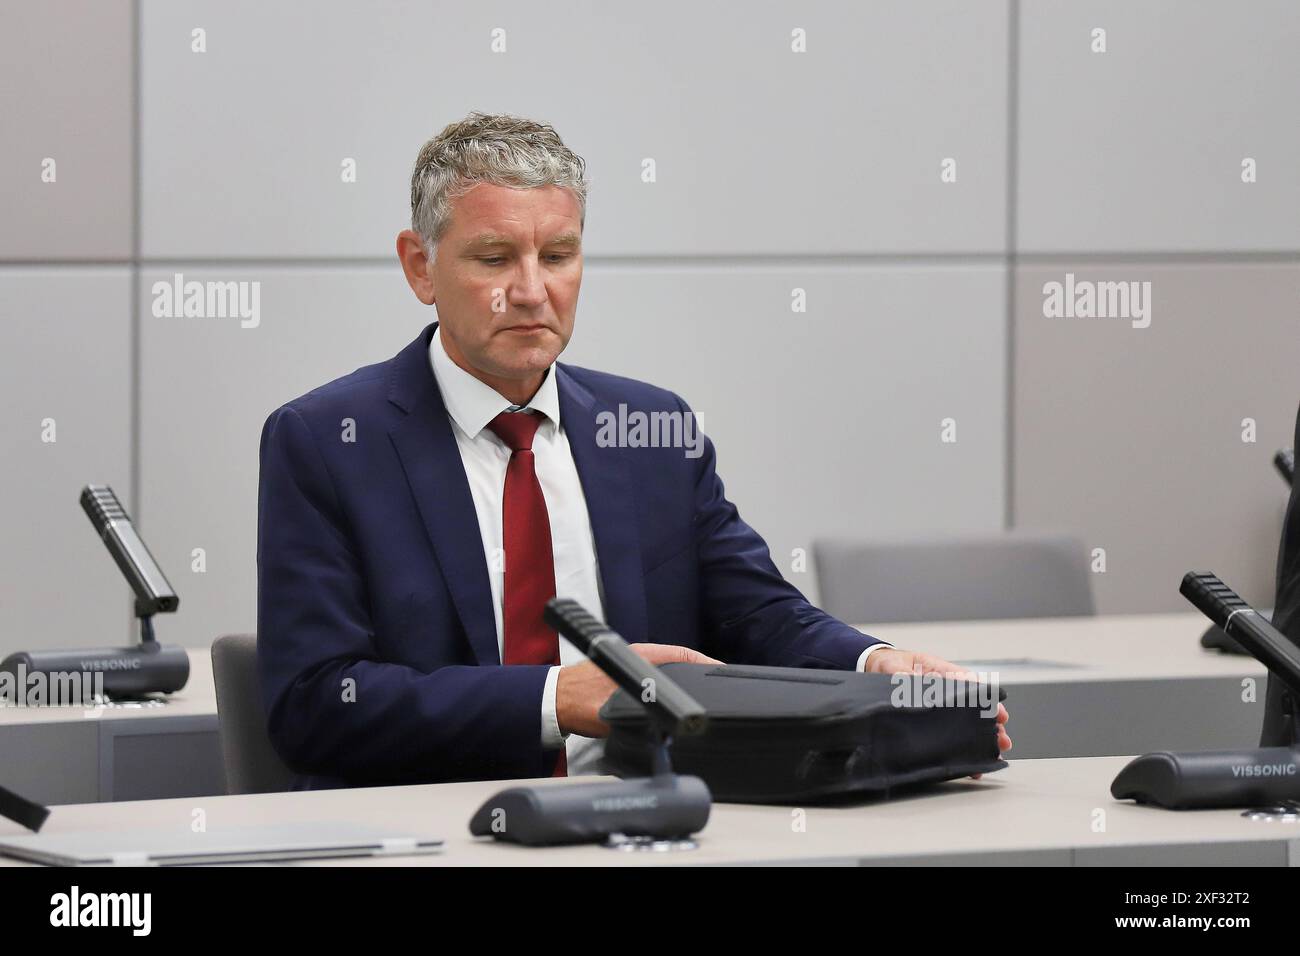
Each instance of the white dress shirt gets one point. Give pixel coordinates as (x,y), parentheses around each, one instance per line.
(471,405)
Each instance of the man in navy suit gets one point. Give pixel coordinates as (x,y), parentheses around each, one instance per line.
(415,515)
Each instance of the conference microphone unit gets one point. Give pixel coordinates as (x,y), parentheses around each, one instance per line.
(659,812)
(674,711)
(87,676)
(1267,778)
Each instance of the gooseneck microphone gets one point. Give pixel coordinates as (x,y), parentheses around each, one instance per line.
(113,525)
(657,812)
(674,712)
(82,676)
(1248,627)
(1267,777)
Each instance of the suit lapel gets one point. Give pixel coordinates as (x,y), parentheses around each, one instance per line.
(431,461)
(607,485)
(427,448)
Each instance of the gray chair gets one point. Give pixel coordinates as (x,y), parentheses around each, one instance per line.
(252,765)
(1007,575)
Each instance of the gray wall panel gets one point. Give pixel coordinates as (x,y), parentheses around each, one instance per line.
(66,357)
(1132,437)
(66,94)
(758,149)
(1140,147)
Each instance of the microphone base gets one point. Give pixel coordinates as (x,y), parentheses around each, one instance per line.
(1250,777)
(44,678)
(663,808)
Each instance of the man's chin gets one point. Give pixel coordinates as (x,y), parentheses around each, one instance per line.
(526,362)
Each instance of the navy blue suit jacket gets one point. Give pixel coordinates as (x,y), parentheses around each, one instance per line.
(377,647)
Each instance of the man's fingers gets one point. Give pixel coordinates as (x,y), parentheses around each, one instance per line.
(692,656)
(672,654)
(1004,743)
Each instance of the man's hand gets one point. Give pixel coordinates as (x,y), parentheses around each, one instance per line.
(583,688)
(893,660)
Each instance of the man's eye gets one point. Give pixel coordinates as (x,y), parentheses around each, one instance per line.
(558,256)
(493,260)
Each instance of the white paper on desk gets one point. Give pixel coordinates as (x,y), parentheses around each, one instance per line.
(241,844)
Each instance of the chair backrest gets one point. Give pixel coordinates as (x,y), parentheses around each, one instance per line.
(252,765)
(1007,575)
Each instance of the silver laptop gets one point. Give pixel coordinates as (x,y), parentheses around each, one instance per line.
(267,843)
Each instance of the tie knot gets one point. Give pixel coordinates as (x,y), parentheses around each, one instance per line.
(516,429)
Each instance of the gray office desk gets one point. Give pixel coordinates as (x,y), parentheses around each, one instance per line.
(1076,687)
(1045,812)
(1094,686)
(127,752)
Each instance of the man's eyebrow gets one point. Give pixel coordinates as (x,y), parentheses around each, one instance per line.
(490,240)
(487,240)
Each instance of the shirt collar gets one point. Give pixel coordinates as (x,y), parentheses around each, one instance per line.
(472,404)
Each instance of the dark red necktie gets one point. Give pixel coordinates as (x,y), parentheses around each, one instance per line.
(530,563)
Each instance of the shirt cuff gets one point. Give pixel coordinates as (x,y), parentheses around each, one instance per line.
(552,739)
(862,660)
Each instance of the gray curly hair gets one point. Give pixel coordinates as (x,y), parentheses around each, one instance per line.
(488,148)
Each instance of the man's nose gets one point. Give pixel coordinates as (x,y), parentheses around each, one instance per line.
(528,288)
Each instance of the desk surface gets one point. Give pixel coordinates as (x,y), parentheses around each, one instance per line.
(1110,648)
(1033,807)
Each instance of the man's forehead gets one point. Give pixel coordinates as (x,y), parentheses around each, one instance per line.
(489,199)
(491,215)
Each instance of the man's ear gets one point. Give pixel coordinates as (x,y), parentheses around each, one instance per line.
(415,264)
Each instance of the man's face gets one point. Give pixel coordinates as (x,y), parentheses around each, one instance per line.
(506,279)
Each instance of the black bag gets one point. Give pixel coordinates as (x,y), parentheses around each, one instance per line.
(797,735)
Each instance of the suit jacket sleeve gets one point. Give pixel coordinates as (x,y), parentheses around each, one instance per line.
(333,706)
(752,614)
